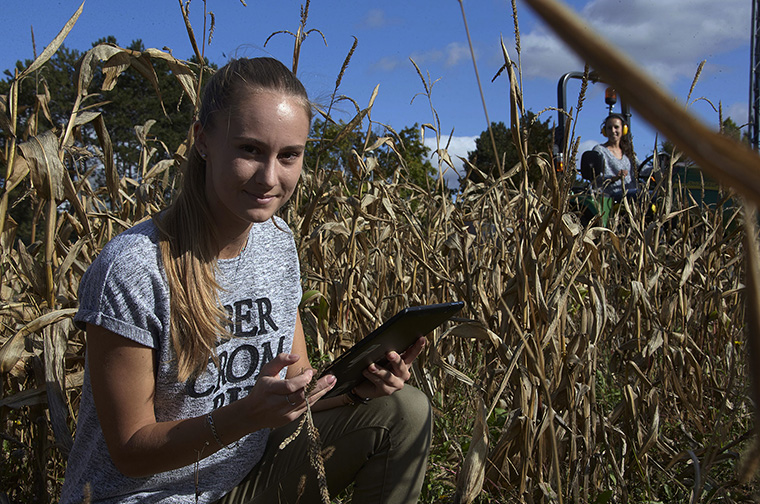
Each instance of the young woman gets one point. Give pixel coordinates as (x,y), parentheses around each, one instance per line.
(196,360)
(618,179)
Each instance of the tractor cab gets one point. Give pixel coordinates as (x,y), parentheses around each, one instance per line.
(589,201)
(561,138)
(592,162)
(588,195)
(591,166)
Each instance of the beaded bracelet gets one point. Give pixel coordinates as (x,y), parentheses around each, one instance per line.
(210,421)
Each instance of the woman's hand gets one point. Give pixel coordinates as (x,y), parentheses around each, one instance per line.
(274,402)
(383,381)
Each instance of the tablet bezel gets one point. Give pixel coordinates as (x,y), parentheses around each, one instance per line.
(397,334)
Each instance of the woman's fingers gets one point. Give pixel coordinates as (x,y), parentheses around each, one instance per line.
(392,377)
(411,353)
(278,401)
(386,380)
(398,367)
(280,362)
(323,386)
(273,368)
(284,394)
(295,393)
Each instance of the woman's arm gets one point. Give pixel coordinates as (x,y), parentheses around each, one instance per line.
(122,374)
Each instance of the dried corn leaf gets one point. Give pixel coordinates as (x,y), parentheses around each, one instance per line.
(181,72)
(157,169)
(13,348)
(70,192)
(470,480)
(144,66)
(112,176)
(21,168)
(54,341)
(693,257)
(5,119)
(448,368)
(25,398)
(113,67)
(68,261)
(38,396)
(88,65)
(43,102)
(84,117)
(41,154)
(53,46)
(652,436)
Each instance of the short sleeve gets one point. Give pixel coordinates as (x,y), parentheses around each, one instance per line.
(125,291)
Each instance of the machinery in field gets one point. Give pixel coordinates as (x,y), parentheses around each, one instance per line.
(591,203)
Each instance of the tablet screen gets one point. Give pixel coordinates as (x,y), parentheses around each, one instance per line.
(397,334)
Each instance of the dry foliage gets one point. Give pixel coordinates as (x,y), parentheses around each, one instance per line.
(591,364)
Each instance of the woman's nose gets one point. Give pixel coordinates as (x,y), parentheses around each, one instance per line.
(266,172)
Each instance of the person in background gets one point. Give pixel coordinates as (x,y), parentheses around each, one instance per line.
(197,367)
(618,178)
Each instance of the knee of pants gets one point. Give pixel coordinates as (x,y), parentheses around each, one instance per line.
(412,406)
(411,411)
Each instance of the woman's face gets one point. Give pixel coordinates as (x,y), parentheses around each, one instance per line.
(254,156)
(614,129)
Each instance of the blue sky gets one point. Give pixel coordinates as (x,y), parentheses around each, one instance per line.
(668,38)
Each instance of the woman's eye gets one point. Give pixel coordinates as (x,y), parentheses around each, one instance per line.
(289,156)
(251,149)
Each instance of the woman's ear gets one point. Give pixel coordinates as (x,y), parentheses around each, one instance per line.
(199,139)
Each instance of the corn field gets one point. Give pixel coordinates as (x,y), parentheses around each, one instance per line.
(591,364)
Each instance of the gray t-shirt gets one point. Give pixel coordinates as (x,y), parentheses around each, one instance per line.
(609,182)
(125,291)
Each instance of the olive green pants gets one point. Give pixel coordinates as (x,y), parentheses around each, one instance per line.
(382,447)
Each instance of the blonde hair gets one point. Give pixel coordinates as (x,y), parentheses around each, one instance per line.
(186,229)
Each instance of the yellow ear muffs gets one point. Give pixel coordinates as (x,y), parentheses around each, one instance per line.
(604,126)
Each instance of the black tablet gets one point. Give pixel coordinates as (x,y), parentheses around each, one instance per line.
(397,334)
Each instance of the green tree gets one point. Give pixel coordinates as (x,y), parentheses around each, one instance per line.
(336,147)
(539,139)
(130,104)
(733,130)
(729,128)
(134,101)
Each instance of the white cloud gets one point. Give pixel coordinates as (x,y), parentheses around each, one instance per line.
(386,64)
(376,18)
(457,147)
(738,112)
(667,37)
(543,55)
(453,54)
(586,145)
